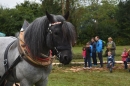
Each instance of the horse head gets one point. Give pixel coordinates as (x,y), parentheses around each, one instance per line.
(51,32)
(60,37)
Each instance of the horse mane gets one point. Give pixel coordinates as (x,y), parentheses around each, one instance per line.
(69,32)
(36,32)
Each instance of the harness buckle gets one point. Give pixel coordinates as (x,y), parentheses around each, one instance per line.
(49,25)
(5,62)
(49,28)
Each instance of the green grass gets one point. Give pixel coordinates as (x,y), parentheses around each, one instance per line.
(63,76)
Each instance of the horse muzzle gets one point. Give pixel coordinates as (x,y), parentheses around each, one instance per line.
(65,57)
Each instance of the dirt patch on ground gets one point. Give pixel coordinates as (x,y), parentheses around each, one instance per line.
(80,68)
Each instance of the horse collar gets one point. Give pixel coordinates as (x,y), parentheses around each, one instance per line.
(24,50)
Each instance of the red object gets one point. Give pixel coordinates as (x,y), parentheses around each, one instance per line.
(43,59)
(39,58)
(28,50)
(124,56)
(50,53)
(84,53)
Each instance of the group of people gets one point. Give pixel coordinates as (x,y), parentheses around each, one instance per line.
(95,48)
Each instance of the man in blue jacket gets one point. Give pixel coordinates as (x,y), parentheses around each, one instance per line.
(99,49)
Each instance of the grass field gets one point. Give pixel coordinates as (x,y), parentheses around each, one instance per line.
(75,75)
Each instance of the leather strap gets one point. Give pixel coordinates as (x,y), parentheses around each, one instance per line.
(27,56)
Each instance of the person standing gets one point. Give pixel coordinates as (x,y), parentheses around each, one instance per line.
(109,61)
(99,49)
(111,46)
(127,60)
(88,58)
(84,53)
(93,43)
(90,54)
(124,56)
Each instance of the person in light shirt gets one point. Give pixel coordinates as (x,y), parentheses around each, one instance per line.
(111,46)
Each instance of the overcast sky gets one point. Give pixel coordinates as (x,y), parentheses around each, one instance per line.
(13,3)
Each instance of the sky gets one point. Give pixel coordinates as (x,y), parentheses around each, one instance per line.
(13,3)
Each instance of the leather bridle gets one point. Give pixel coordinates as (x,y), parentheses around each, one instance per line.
(57,48)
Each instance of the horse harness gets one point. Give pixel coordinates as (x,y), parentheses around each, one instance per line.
(50,31)
(8,70)
(23,49)
(23,54)
(26,55)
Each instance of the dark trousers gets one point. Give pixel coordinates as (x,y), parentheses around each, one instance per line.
(125,65)
(100,58)
(87,59)
(94,58)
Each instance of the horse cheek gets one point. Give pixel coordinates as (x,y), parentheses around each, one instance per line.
(49,41)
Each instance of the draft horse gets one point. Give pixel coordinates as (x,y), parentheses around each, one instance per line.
(50,32)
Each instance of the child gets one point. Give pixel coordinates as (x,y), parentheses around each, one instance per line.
(88,58)
(109,59)
(124,56)
(84,53)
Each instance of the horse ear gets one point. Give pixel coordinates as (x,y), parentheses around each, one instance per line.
(50,17)
(66,15)
(25,25)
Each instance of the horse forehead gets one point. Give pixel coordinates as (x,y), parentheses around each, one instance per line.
(57,27)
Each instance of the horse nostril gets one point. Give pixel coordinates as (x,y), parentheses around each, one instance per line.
(65,57)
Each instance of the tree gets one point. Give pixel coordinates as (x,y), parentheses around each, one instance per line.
(123,17)
(11,20)
(52,6)
(8,23)
(98,19)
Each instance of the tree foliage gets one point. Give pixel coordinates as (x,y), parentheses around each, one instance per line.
(12,19)
(97,17)
(98,20)
(52,6)
(123,17)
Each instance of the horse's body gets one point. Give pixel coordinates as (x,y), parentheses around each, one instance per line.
(26,74)
(40,38)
